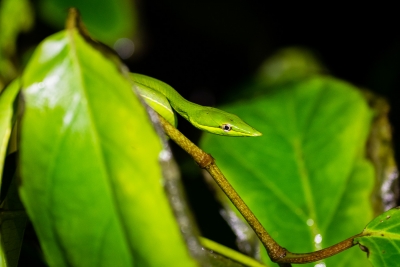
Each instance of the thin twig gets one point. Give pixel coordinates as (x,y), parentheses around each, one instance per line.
(205,161)
(320,254)
(278,254)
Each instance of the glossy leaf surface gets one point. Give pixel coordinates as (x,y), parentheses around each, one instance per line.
(90,177)
(306,178)
(381,239)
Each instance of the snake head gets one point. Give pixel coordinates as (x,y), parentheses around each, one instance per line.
(222,123)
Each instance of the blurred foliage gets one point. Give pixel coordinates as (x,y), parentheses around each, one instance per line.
(15,17)
(288,65)
(106,20)
(381,153)
(285,66)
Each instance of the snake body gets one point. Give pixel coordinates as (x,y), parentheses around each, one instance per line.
(161,97)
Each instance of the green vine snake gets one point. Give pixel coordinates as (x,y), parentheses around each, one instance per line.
(160,97)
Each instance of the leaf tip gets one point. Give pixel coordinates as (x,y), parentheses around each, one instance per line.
(73,18)
(74,21)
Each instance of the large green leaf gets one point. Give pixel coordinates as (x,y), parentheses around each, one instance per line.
(306,178)
(90,177)
(381,239)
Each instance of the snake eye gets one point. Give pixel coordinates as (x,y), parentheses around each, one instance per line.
(226,127)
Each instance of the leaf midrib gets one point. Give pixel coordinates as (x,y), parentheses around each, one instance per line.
(95,132)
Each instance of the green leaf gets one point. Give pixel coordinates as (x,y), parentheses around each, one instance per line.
(12,23)
(306,178)
(287,65)
(7,98)
(91,181)
(381,239)
(106,20)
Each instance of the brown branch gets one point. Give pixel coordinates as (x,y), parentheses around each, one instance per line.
(278,254)
(205,161)
(275,251)
(320,254)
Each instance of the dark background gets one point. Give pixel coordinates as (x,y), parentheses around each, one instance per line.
(214,46)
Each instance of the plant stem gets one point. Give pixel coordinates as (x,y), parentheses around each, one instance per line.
(278,254)
(320,254)
(275,251)
(230,253)
(205,161)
